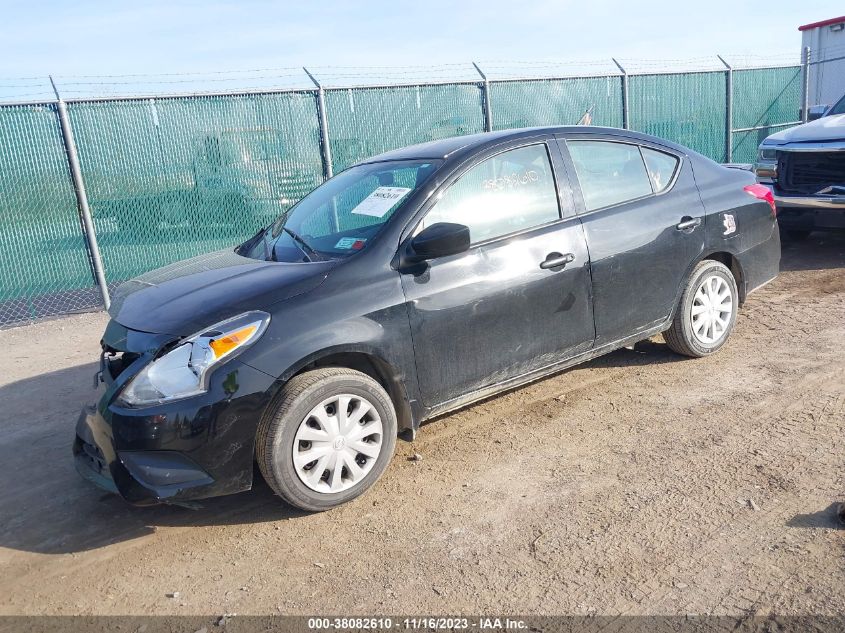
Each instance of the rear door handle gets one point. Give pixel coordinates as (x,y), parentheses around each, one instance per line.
(687,223)
(556,260)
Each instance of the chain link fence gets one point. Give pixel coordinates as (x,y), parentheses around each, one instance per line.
(367,121)
(531,103)
(170,177)
(687,108)
(44,267)
(764,103)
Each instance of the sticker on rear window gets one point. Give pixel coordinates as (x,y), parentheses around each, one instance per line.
(355,243)
(380,201)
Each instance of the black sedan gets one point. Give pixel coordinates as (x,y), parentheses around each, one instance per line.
(409,285)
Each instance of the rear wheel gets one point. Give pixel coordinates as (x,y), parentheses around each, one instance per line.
(706,313)
(330,438)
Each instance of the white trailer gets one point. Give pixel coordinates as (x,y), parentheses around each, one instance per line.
(826,40)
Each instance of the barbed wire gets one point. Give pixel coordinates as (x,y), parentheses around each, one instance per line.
(343,76)
(169,81)
(49,95)
(833,51)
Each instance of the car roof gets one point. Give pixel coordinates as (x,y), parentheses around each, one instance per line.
(457,146)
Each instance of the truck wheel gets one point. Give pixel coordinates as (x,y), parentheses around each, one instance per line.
(706,313)
(329,438)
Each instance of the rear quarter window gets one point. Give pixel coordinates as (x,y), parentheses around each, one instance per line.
(661,168)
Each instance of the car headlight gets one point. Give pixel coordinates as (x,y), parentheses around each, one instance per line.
(182,371)
(767,154)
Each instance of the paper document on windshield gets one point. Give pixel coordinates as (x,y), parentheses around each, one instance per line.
(380,201)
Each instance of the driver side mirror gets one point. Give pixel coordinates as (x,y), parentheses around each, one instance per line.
(438,240)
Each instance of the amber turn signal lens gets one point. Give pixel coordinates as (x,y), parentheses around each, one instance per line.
(227,343)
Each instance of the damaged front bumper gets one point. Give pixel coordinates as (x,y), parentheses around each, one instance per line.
(198,447)
(89,459)
(140,477)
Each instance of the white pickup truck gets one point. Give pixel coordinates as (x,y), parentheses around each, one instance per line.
(805,168)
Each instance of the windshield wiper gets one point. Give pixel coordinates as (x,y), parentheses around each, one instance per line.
(306,247)
(248,244)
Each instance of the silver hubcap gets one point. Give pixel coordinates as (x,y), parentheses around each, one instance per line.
(712,308)
(337,443)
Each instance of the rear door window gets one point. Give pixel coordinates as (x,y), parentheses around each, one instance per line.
(609,172)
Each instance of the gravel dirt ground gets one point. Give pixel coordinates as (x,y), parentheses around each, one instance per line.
(639,483)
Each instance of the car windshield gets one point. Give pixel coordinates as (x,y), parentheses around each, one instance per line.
(341,216)
(839,108)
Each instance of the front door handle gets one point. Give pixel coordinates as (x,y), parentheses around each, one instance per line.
(556,260)
(687,223)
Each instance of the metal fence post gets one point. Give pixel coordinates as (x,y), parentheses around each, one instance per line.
(488,109)
(729,109)
(82,197)
(626,123)
(325,147)
(805,88)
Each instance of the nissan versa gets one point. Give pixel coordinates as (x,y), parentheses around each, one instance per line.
(411,284)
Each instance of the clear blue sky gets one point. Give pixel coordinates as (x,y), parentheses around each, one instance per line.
(87,37)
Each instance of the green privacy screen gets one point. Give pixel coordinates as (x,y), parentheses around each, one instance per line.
(168,179)
(556,102)
(44,268)
(687,108)
(763,98)
(367,121)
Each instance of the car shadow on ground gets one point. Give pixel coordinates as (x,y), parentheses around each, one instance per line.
(46,507)
(649,352)
(101,519)
(822,250)
(827,518)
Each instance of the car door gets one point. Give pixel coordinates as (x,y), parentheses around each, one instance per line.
(643,220)
(519,298)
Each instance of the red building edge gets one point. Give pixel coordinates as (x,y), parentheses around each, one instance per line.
(815,25)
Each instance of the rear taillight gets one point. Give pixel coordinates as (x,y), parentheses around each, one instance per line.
(761,192)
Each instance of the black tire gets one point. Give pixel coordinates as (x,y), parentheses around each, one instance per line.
(681,337)
(276,434)
(796,235)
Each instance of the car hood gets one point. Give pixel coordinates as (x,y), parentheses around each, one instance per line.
(182,298)
(828,128)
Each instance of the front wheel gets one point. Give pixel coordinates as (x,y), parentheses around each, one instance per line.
(330,438)
(707,311)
